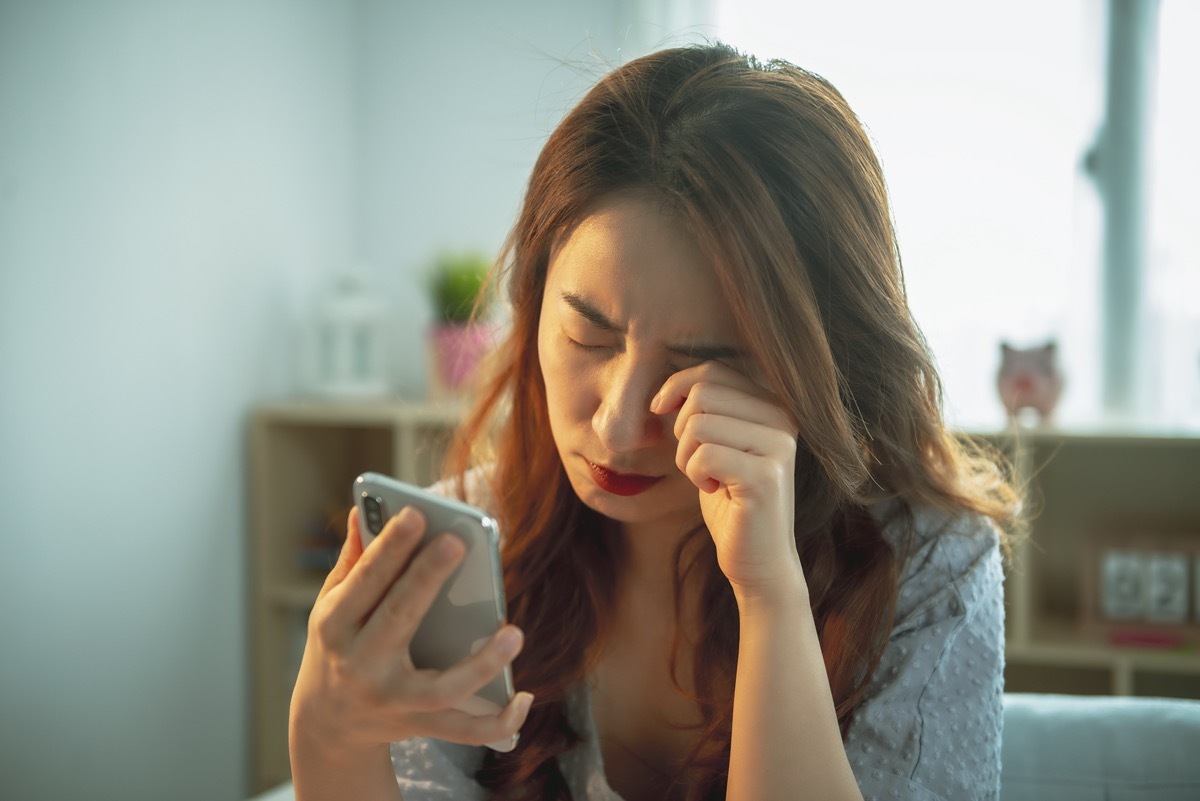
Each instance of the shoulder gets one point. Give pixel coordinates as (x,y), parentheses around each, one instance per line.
(930,721)
(473,487)
(945,559)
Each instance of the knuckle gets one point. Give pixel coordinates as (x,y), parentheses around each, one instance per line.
(698,394)
(321,624)
(781,445)
(346,670)
(689,427)
(702,454)
(698,424)
(774,473)
(683,456)
(350,675)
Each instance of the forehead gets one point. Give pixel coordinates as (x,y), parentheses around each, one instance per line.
(637,261)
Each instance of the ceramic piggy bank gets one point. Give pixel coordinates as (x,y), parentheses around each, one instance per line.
(1029,379)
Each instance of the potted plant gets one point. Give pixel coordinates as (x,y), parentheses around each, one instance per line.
(461,334)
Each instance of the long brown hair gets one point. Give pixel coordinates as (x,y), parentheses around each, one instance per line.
(775,177)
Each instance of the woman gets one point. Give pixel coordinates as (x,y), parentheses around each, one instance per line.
(744,558)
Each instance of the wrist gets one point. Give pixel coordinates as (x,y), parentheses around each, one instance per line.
(326,766)
(311,738)
(783,593)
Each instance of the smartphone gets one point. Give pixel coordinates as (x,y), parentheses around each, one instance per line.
(470,606)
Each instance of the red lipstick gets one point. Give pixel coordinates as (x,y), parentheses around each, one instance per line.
(624,484)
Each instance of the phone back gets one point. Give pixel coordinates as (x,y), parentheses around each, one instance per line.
(470,607)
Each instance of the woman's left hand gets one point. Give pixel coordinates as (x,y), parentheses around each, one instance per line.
(739,449)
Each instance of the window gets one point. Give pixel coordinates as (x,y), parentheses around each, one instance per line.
(1173,267)
(981,115)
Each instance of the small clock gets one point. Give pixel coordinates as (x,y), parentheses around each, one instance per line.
(1167,587)
(1122,584)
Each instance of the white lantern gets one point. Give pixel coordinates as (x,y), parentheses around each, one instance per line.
(347,358)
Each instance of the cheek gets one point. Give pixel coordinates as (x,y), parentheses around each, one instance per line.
(570,393)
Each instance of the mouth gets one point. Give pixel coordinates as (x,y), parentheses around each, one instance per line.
(624,484)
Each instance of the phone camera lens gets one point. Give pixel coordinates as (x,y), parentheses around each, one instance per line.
(374,510)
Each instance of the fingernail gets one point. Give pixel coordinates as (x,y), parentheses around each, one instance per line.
(509,641)
(656,402)
(524,702)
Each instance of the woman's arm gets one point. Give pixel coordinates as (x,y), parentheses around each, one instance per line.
(739,449)
(320,772)
(786,742)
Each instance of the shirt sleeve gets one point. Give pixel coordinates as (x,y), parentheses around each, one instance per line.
(929,727)
(435,770)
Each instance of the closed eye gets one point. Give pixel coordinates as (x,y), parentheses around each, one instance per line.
(588,348)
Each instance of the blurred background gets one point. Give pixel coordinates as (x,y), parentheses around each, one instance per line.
(180,179)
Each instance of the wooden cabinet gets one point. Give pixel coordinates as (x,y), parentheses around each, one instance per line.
(1085,490)
(1089,493)
(303,459)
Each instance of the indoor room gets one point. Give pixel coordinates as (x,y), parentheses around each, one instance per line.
(247,254)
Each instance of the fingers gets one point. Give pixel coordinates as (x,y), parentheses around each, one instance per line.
(362,624)
(347,557)
(375,571)
(716,451)
(399,612)
(459,727)
(707,398)
(679,386)
(722,418)
(438,690)
(432,700)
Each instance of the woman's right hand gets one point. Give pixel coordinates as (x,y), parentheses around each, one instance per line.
(358,688)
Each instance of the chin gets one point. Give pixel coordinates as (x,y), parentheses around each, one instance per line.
(656,503)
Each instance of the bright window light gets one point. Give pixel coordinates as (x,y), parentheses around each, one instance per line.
(981,115)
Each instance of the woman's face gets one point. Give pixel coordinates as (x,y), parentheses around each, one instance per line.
(629,300)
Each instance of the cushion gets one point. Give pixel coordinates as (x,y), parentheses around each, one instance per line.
(1100,748)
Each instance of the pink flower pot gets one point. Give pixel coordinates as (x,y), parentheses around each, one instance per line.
(456,352)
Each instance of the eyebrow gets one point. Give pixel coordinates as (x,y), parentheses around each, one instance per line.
(590,312)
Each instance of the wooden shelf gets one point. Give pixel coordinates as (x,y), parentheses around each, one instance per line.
(298,596)
(364,413)
(1086,488)
(1062,642)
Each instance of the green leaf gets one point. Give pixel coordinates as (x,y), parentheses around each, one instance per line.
(457,281)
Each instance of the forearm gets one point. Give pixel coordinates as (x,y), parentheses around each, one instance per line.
(786,743)
(321,774)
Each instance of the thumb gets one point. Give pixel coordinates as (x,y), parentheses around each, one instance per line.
(349,555)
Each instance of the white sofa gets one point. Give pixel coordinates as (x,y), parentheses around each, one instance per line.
(1082,748)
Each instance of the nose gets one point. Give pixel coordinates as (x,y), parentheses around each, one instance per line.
(623,420)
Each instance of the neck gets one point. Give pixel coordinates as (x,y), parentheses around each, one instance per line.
(649,563)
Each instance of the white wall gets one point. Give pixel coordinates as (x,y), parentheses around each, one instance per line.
(175,178)
(457,100)
(170,173)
